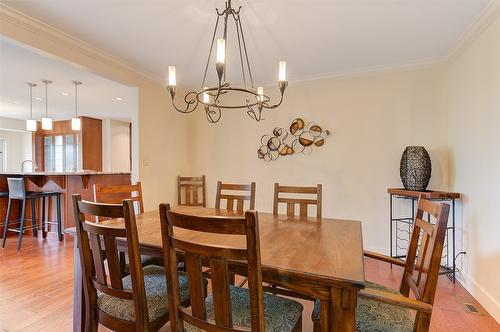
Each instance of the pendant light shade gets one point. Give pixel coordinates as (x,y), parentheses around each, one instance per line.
(76,123)
(30,123)
(46,121)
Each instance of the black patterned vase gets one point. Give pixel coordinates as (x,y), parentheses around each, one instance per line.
(415,168)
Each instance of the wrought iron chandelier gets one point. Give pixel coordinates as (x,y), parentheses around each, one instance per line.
(252,99)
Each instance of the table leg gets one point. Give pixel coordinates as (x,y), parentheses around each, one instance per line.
(78,296)
(343,309)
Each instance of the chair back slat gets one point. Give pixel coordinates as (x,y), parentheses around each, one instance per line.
(191,190)
(235,196)
(423,259)
(299,199)
(196,287)
(117,193)
(221,292)
(217,258)
(97,244)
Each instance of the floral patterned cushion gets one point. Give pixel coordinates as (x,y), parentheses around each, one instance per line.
(374,316)
(281,314)
(156,295)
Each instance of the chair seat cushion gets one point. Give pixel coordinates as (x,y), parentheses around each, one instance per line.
(375,316)
(156,295)
(281,314)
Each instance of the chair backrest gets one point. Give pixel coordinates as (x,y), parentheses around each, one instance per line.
(97,242)
(302,196)
(423,259)
(116,194)
(17,190)
(235,196)
(217,257)
(192,187)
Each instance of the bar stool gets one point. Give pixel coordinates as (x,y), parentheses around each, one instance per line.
(17,191)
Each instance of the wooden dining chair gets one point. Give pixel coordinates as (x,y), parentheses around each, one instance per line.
(137,302)
(383,309)
(191,190)
(235,196)
(228,308)
(117,193)
(302,198)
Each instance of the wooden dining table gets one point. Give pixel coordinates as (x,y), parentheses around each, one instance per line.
(320,258)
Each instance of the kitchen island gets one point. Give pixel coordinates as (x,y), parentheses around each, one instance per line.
(68,183)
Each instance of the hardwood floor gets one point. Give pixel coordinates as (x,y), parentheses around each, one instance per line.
(36,291)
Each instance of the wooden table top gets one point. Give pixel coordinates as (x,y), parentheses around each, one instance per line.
(428,194)
(330,249)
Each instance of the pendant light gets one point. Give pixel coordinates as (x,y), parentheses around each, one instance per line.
(31,123)
(76,123)
(46,121)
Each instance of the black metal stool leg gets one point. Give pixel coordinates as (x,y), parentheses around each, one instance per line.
(21,224)
(6,229)
(33,217)
(44,226)
(59,222)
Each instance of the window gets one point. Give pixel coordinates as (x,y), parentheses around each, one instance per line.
(61,153)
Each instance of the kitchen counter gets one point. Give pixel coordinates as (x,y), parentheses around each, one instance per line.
(68,183)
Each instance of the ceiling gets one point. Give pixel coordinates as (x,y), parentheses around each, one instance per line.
(96,96)
(318,38)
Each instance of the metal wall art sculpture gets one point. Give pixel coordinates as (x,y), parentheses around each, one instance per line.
(300,138)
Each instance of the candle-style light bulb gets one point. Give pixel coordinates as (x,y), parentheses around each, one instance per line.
(171,76)
(260,93)
(206,96)
(282,71)
(221,50)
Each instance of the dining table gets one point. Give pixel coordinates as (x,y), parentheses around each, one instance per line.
(319,258)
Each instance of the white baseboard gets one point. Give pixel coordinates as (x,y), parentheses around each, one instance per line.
(489,303)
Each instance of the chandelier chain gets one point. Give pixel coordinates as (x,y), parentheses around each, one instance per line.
(210,52)
(246,53)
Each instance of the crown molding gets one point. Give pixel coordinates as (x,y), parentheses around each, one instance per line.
(41,29)
(481,23)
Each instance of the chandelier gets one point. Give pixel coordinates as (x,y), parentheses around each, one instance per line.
(225,96)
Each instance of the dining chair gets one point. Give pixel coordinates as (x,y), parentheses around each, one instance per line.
(228,308)
(380,308)
(137,302)
(115,194)
(301,196)
(192,187)
(235,194)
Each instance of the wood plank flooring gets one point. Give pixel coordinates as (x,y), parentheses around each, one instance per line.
(36,291)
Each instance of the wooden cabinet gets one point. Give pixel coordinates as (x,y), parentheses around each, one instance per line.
(65,150)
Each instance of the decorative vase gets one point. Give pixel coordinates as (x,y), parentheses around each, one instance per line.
(415,168)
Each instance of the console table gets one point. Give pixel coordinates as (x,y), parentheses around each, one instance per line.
(401,226)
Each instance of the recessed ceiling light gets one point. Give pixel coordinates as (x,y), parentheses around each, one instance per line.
(119,98)
(65,94)
(15,102)
(38,98)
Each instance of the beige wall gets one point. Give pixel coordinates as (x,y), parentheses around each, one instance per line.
(372,119)
(474,140)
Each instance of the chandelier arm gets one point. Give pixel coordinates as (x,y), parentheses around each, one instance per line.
(251,113)
(246,53)
(210,52)
(189,101)
(213,116)
(241,55)
(282,86)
